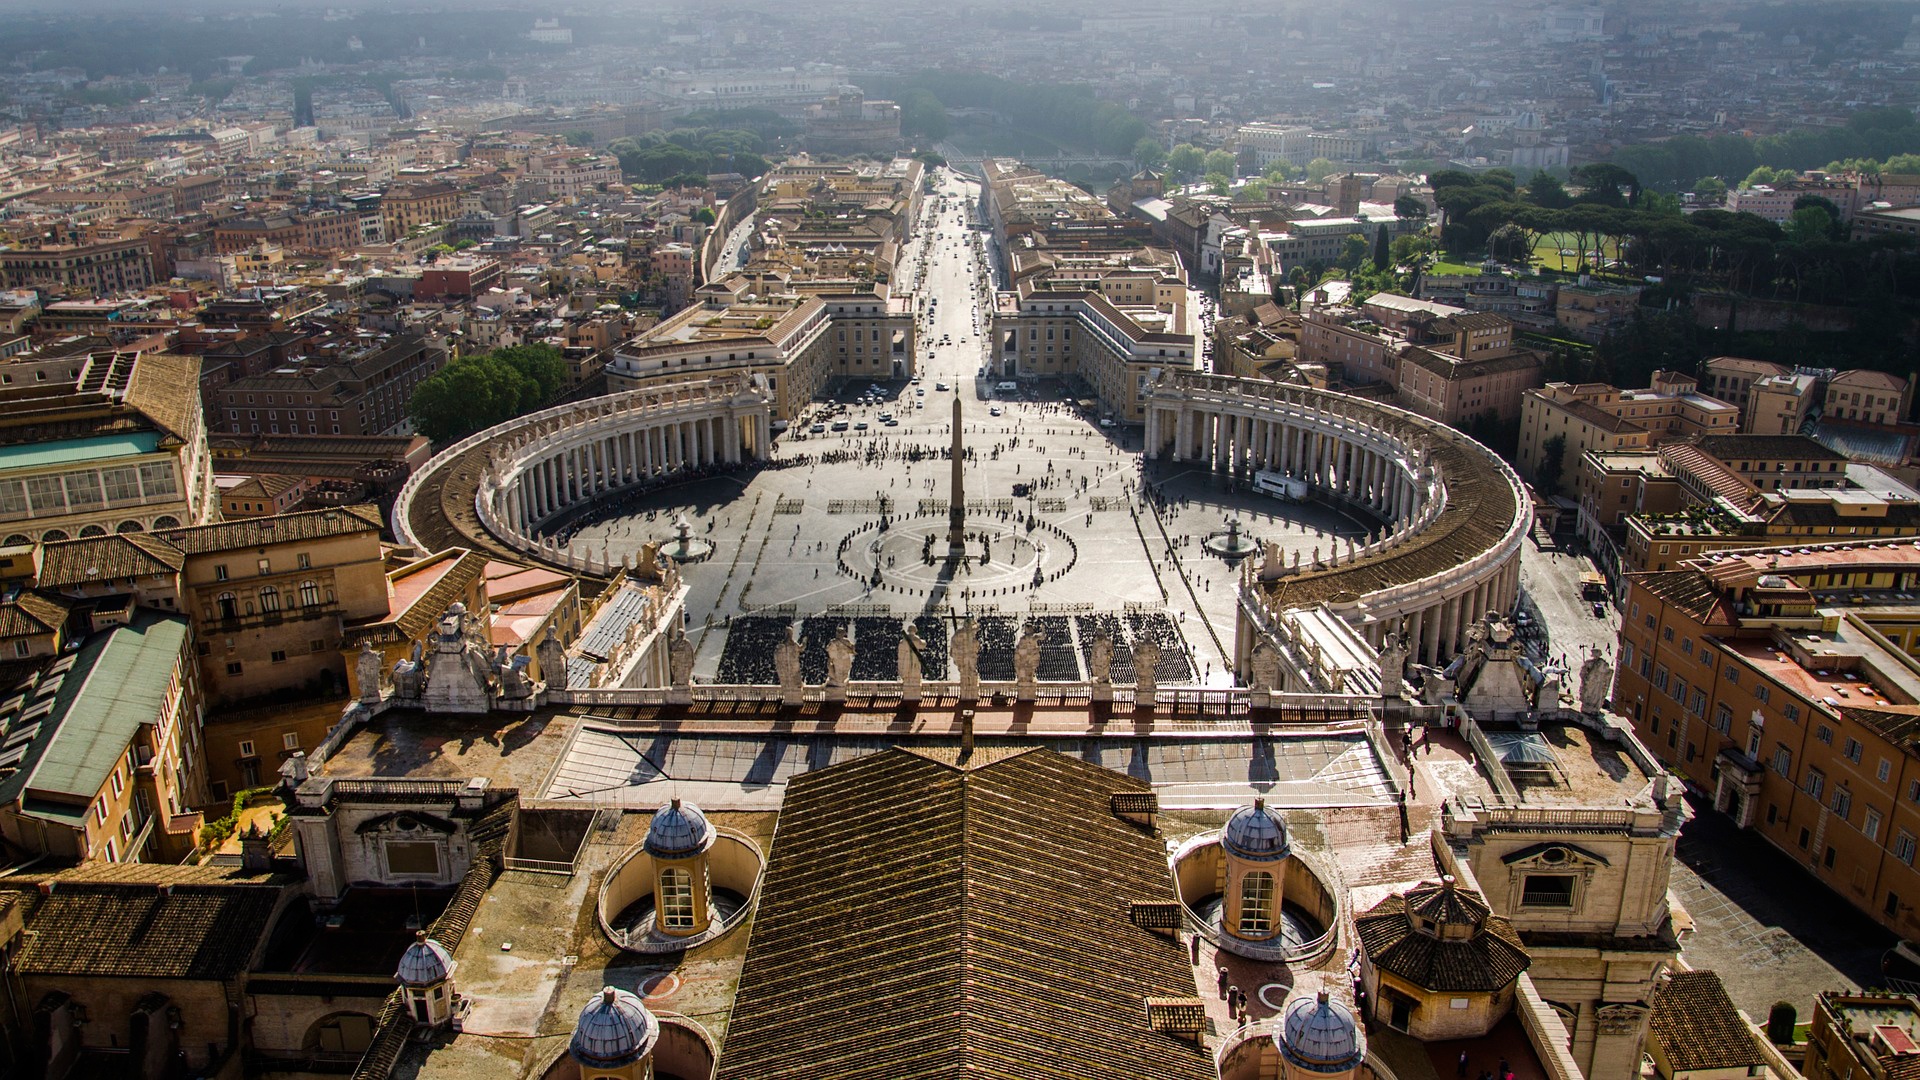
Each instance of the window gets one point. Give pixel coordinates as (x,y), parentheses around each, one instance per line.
(233,668)
(676,898)
(279,656)
(1792,712)
(246,748)
(1764,693)
(413,857)
(1903,846)
(1870,824)
(266,566)
(1815,783)
(290,740)
(305,561)
(1842,803)
(220,572)
(309,594)
(1783,761)
(1885,770)
(1686,646)
(1547,890)
(1256,904)
(269,598)
(1824,734)
(1722,718)
(1853,750)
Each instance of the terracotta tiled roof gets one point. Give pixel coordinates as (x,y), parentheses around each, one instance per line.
(1697,1026)
(1488,959)
(166,389)
(1689,590)
(146,929)
(1768,447)
(924,917)
(31,613)
(279,529)
(103,558)
(1898,724)
(1869,380)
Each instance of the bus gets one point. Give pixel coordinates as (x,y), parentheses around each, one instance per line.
(1280,486)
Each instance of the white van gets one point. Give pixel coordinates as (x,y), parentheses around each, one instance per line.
(1007,388)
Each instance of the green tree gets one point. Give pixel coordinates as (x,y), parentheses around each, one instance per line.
(579,138)
(469,394)
(1219,183)
(1381,249)
(1353,252)
(1186,159)
(1148,153)
(1545,190)
(1253,191)
(1761,174)
(1710,189)
(923,115)
(704,215)
(1319,169)
(1220,161)
(1546,478)
(543,364)
(1407,206)
(1280,172)
(1808,225)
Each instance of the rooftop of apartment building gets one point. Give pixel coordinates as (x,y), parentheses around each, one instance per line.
(93,396)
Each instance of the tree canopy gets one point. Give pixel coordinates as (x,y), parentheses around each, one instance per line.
(483,389)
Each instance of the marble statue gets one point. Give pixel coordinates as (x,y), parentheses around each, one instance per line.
(910,659)
(459,671)
(1026,657)
(964,650)
(680,659)
(649,559)
(515,684)
(786,661)
(367,669)
(839,658)
(1393,666)
(1596,682)
(1146,658)
(553,661)
(1265,663)
(1100,660)
(408,675)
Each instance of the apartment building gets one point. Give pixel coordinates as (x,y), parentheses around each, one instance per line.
(1600,418)
(1784,682)
(403,209)
(1590,311)
(97,269)
(1115,349)
(102,757)
(1444,362)
(1891,221)
(1869,397)
(1731,378)
(99,443)
(794,343)
(1779,404)
(353,385)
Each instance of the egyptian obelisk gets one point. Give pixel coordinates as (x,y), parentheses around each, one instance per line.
(957,496)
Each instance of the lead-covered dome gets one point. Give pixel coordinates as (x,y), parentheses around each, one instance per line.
(424,963)
(615,1029)
(1256,834)
(1320,1035)
(678,831)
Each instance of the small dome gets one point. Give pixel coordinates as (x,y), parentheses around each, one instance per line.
(1256,833)
(678,830)
(615,1029)
(1319,1035)
(424,963)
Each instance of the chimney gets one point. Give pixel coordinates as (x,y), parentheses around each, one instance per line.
(1183,1018)
(966,734)
(256,851)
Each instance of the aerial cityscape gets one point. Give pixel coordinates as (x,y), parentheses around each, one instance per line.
(860,541)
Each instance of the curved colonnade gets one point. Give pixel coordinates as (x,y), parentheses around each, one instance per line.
(534,470)
(1454,515)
